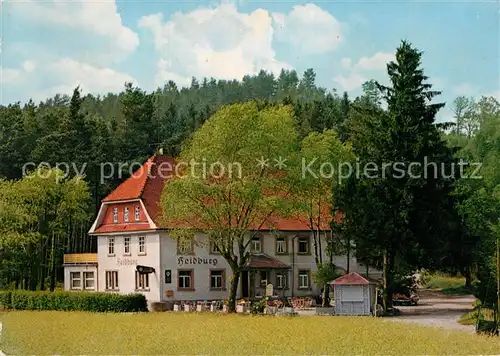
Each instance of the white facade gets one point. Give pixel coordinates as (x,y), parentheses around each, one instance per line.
(200,274)
(82,277)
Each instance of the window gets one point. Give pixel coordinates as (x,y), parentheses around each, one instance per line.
(281,245)
(217,279)
(214,249)
(352,293)
(126,245)
(304,279)
(137,213)
(184,247)
(256,244)
(281,280)
(185,279)
(263,278)
(304,245)
(125,214)
(142,245)
(75,280)
(141,281)
(111,280)
(88,280)
(115,215)
(111,246)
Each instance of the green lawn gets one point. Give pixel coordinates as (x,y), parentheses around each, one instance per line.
(448,285)
(183,333)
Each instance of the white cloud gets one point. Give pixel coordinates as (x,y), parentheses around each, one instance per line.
(466,89)
(82,39)
(364,69)
(473,91)
(91,79)
(352,81)
(97,24)
(346,62)
(213,42)
(378,61)
(9,75)
(61,76)
(309,29)
(29,66)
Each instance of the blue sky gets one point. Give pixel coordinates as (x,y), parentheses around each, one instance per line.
(50,47)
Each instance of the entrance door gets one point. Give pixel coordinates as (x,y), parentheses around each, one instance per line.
(244,284)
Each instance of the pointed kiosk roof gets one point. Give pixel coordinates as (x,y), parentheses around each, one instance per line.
(353,278)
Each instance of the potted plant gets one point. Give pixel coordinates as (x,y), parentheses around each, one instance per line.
(213,306)
(201,306)
(177,307)
(225,307)
(241,306)
(188,307)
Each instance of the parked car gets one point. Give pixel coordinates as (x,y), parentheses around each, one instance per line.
(401,298)
(410,298)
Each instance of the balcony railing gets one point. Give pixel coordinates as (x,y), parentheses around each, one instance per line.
(73,258)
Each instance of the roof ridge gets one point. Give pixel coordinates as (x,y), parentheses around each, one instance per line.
(151,161)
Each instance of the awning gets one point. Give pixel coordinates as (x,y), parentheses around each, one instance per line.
(263,261)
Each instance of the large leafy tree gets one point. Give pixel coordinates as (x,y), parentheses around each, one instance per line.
(242,189)
(396,208)
(479,200)
(322,159)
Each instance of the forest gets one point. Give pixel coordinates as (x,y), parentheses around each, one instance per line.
(447,223)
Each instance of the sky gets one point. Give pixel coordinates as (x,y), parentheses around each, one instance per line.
(50,47)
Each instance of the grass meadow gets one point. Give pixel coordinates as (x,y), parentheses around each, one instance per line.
(64,333)
(448,285)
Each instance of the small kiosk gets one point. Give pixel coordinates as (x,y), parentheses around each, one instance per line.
(354,294)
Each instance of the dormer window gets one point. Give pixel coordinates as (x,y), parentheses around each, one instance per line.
(125,214)
(115,215)
(137,213)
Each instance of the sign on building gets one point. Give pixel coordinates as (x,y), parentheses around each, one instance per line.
(168,276)
(269,290)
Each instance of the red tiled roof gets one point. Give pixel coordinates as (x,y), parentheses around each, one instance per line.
(263,261)
(122,227)
(352,278)
(147,184)
(132,187)
(160,173)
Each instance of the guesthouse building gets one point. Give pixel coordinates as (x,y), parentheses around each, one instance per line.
(136,254)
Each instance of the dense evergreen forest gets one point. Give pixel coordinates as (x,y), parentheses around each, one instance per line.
(130,126)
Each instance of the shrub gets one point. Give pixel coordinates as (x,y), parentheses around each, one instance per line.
(5,299)
(83,301)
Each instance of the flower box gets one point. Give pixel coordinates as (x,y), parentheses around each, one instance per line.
(177,307)
(241,308)
(188,308)
(200,308)
(271,310)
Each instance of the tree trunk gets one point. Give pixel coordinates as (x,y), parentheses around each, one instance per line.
(387,279)
(53,264)
(235,279)
(468,278)
(348,252)
(326,293)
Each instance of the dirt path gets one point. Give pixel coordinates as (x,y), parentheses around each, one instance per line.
(437,310)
